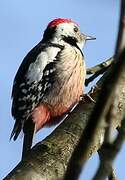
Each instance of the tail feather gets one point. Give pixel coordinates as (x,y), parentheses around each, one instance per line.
(28,130)
(16,130)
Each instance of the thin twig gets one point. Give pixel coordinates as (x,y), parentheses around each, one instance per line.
(99,67)
(98,70)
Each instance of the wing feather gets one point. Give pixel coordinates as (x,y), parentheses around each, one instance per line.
(31,82)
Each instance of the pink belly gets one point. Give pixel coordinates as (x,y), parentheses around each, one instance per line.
(44,114)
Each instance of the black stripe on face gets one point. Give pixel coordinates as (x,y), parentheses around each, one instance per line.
(72,41)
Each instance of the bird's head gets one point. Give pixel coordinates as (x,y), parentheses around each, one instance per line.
(66,30)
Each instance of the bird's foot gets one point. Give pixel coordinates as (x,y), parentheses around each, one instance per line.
(89,97)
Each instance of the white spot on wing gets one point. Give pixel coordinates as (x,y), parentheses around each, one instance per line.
(22,84)
(24,91)
(22,108)
(35,71)
(46,73)
(52,70)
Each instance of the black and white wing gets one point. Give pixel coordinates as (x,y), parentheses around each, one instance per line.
(33,79)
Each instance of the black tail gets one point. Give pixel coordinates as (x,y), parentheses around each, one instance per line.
(16,130)
(28,130)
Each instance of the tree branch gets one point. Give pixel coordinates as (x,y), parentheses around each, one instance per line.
(98,70)
(100,66)
(109,153)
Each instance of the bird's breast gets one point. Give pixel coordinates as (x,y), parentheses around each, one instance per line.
(69,84)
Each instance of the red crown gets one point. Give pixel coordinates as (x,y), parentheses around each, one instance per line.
(58,21)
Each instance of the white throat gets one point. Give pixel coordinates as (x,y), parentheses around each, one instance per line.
(81,44)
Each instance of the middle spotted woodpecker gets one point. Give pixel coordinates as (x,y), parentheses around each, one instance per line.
(50,79)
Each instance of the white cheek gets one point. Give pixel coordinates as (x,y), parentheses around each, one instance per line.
(65,29)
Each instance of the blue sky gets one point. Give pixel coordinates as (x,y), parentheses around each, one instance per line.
(21,26)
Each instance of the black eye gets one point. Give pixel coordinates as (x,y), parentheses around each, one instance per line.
(76,29)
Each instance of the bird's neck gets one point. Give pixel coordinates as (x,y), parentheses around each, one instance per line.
(58,40)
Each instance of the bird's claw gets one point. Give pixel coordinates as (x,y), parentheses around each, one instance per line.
(89,96)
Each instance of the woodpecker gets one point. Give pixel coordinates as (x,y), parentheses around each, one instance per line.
(50,79)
